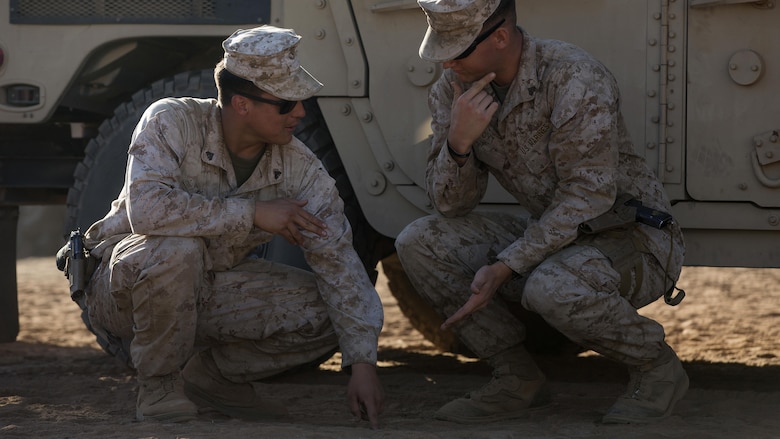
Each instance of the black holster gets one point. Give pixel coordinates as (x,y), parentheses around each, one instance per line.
(75,261)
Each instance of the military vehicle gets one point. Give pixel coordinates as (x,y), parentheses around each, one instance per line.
(700,81)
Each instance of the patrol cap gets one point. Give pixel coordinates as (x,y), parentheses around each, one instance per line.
(452,26)
(267,56)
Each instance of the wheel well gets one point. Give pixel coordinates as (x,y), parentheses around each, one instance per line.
(117,69)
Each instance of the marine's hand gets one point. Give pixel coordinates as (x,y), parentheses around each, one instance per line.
(287,218)
(365,394)
(486,282)
(471,113)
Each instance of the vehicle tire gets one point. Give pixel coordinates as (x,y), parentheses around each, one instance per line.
(100,176)
(541,338)
(417,310)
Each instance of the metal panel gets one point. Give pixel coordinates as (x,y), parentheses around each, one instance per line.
(138,11)
(733,110)
(621,34)
(331,49)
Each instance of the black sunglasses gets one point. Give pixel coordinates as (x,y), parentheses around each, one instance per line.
(284,105)
(482,37)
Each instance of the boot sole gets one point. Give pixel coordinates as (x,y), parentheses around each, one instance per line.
(542,401)
(505,416)
(679,392)
(168,417)
(203,399)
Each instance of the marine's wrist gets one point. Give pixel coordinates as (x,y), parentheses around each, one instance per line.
(457,154)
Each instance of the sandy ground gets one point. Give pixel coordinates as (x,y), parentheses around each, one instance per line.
(56,383)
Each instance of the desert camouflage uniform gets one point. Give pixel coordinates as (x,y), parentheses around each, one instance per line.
(559,145)
(175,273)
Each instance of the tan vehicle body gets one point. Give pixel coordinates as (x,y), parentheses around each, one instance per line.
(700,82)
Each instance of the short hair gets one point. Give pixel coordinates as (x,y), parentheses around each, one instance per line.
(229,85)
(506,10)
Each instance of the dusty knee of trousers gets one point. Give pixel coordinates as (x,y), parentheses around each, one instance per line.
(544,293)
(412,236)
(534,294)
(140,252)
(177,249)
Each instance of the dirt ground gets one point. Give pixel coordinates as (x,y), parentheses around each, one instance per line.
(55,382)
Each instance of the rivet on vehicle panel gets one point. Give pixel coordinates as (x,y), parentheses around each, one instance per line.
(773,138)
(651,145)
(652,42)
(672,34)
(657,16)
(672,16)
(657,68)
(320,34)
(368,117)
(671,48)
(346,110)
(758,142)
(733,66)
(651,93)
(773,220)
(388,166)
(355,83)
(376,183)
(348,41)
(669,168)
(321,4)
(769,154)
(670,139)
(743,186)
(655,119)
(671,76)
(409,68)
(670,106)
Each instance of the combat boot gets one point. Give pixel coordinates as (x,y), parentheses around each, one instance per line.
(652,392)
(162,399)
(207,387)
(517,386)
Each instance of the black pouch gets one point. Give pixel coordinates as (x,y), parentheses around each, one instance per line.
(621,214)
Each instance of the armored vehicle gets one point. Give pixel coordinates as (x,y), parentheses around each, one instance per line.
(700,81)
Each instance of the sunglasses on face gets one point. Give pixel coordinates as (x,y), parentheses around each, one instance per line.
(285,106)
(482,37)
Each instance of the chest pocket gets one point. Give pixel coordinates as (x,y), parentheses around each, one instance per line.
(201,178)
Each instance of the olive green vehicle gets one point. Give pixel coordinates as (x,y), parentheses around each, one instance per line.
(700,83)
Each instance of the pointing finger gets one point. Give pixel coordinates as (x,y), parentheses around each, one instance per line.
(480,84)
(469,307)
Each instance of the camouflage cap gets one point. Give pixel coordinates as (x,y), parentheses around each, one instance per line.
(452,26)
(266,55)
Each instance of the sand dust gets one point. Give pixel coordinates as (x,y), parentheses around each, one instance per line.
(55,382)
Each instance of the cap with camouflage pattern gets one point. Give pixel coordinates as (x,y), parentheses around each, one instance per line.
(266,55)
(452,26)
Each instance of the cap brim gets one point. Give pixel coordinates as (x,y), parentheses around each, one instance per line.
(440,46)
(302,85)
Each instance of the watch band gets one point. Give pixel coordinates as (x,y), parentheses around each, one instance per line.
(458,154)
